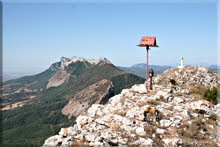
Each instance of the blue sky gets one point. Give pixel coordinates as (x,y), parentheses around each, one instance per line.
(36,35)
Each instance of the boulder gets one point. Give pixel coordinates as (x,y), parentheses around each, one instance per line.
(139,88)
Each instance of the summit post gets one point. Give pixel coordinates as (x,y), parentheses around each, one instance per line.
(147,41)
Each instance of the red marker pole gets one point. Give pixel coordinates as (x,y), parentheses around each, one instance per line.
(147,72)
(147,41)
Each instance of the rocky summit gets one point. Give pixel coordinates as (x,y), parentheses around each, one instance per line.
(172,114)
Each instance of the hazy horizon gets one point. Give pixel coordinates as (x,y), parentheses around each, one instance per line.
(38,69)
(35,35)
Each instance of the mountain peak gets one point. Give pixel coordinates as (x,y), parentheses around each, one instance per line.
(66,61)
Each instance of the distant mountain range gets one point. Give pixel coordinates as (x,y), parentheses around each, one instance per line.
(140,69)
(12,75)
(214,68)
(37,106)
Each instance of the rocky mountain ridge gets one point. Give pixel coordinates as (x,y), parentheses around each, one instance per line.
(66,61)
(39,101)
(62,74)
(172,114)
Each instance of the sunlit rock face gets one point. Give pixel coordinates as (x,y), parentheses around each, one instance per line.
(97,93)
(62,75)
(172,114)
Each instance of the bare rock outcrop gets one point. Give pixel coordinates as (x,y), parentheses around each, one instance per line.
(58,78)
(169,115)
(96,93)
(62,75)
(197,76)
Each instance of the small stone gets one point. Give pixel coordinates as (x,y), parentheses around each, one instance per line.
(135,113)
(165,123)
(81,121)
(162,94)
(140,131)
(172,142)
(178,100)
(144,142)
(185,91)
(160,131)
(90,137)
(68,141)
(63,132)
(72,130)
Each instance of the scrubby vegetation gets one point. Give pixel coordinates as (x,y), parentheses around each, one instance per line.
(31,124)
(42,118)
(213,95)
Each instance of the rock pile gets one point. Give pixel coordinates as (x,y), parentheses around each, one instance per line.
(168,115)
(198,76)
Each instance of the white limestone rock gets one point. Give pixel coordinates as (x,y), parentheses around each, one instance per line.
(82,120)
(90,137)
(185,91)
(135,113)
(142,142)
(95,109)
(200,105)
(53,141)
(162,95)
(139,88)
(160,131)
(165,123)
(140,131)
(121,120)
(68,141)
(178,100)
(63,132)
(114,100)
(172,142)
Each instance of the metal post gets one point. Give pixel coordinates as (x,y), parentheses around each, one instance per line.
(151,87)
(147,72)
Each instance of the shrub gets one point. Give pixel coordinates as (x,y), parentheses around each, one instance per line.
(212,95)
